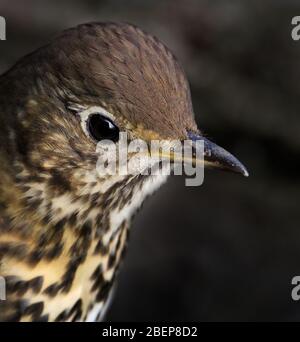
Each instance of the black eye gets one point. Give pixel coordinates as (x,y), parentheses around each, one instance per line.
(101,128)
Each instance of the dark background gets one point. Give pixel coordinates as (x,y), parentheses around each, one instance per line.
(226,251)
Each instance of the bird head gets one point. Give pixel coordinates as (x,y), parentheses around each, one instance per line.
(88,85)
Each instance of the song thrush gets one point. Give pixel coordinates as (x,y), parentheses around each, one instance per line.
(64,227)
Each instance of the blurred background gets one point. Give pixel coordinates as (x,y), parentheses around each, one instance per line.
(225,251)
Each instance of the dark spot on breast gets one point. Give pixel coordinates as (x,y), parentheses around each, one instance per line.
(97,273)
(36,284)
(54,252)
(98,282)
(111,260)
(11,311)
(14,250)
(36,256)
(76,311)
(52,290)
(104,291)
(73,219)
(100,248)
(35,310)
(59,226)
(70,272)
(32,203)
(19,287)
(61,317)
(59,183)
(44,318)
(47,218)
(86,229)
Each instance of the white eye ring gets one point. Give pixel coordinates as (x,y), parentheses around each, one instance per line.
(85,114)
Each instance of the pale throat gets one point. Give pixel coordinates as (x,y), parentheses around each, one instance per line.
(124,213)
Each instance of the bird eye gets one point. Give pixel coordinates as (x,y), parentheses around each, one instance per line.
(100,127)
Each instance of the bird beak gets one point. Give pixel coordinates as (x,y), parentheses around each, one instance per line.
(216,157)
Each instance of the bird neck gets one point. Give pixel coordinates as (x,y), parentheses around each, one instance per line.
(44,220)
